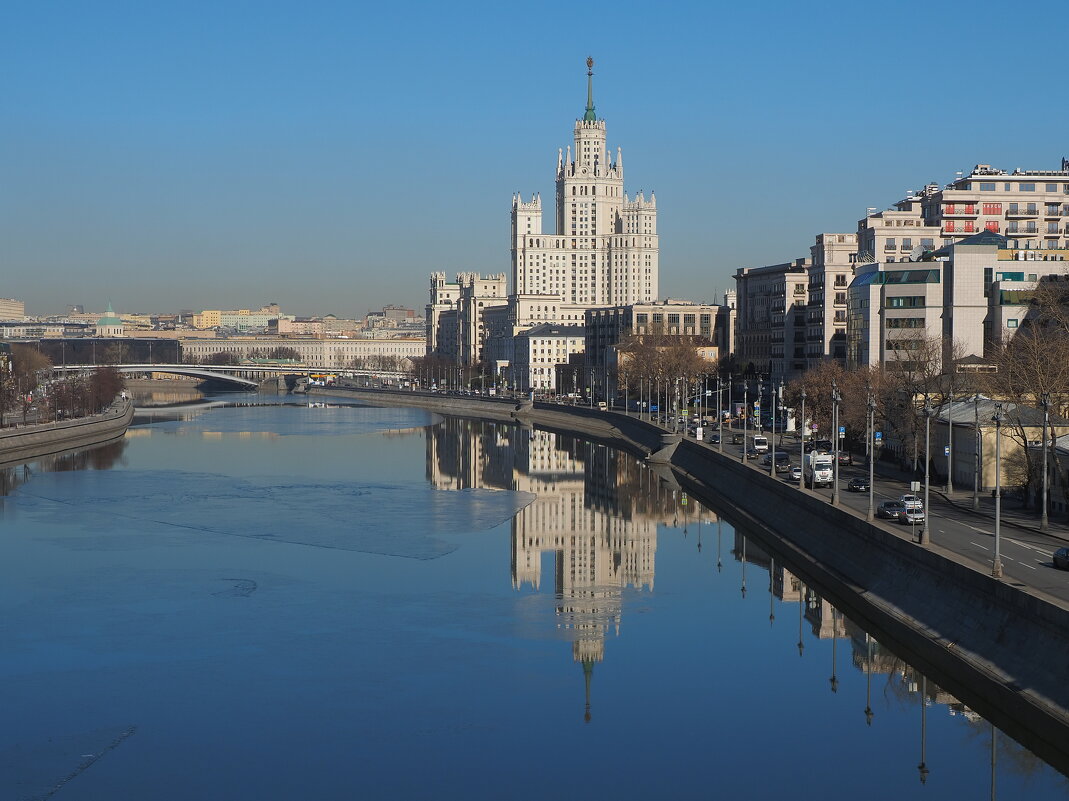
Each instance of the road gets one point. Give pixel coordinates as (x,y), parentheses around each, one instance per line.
(1025,554)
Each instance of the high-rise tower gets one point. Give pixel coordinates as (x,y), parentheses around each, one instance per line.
(604,251)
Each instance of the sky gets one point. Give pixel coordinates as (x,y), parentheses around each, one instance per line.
(329,155)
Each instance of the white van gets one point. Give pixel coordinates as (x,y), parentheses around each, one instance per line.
(760,444)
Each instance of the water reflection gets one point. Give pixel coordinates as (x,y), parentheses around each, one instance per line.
(98,457)
(597,513)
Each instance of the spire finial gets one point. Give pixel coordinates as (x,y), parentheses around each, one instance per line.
(590,116)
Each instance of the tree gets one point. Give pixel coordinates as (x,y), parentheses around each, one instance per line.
(284,352)
(105,384)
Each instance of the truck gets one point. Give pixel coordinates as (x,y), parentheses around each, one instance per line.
(819,470)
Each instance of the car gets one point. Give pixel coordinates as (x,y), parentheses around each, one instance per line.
(713,439)
(890,509)
(823,445)
(911,502)
(845,457)
(911,516)
(783,467)
(859,484)
(736,438)
(796,473)
(1061,558)
(751,454)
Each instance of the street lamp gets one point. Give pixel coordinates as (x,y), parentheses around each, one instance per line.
(1045,400)
(745,415)
(719,413)
(804,424)
(871,405)
(976,455)
(928,412)
(772,450)
(996,567)
(836,399)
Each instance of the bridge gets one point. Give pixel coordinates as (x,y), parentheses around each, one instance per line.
(245,376)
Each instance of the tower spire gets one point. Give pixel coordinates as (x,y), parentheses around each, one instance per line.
(590,116)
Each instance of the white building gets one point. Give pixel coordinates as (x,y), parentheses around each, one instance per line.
(969,295)
(538,352)
(604,251)
(335,354)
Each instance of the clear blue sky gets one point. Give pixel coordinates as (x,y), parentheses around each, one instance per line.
(328,156)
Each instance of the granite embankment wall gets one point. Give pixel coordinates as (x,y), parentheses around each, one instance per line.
(24,443)
(998,645)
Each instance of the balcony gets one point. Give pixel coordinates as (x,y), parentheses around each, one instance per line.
(1029,231)
(960,211)
(1019,212)
(1055,212)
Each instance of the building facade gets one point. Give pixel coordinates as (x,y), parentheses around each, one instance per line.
(605,249)
(770,321)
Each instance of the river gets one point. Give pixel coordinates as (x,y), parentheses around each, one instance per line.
(256,598)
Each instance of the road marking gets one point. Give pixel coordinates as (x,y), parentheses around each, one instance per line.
(1008,558)
(1025,564)
(978,545)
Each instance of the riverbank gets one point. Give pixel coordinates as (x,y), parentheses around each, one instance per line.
(21,444)
(999,645)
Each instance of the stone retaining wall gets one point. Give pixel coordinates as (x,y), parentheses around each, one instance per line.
(24,443)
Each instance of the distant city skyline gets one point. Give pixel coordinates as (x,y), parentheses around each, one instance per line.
(329,157)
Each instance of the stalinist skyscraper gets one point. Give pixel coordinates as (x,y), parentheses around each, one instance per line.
(604,251)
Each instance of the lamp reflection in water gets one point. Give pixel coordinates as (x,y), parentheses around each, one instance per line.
(868,680)
(743,567)
(834,680)
(771,596)
(922,768)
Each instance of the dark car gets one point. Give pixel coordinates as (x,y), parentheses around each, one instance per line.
(713,439)
(890,509)
(845,458)
(1061,558)
(823,445)
(736,438)
(859,484)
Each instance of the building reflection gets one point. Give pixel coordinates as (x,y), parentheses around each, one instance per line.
(595,510)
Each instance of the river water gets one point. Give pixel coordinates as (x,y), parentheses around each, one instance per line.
(263,599)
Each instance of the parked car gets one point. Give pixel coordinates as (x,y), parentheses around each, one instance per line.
(911,516)
(890,509)
(859,484)
(796,473)
(1061,558)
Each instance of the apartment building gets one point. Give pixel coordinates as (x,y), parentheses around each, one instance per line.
(456,328)
(605,248)
(538,352)
(770,321)
(11,309)
(832,258)
(968,296)
(1030,207)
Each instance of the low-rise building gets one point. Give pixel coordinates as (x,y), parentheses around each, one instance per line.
(538,352)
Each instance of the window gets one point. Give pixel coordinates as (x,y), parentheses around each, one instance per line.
(987,186)
(949,225)
(992,225)
(927,243)
(1052,187)
(1027,188)
(906,302)
(1011,323)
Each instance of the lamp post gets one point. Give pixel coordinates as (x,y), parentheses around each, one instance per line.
(1045,400)
(996,567)
(976,455)
(772,450)
(836,399)
(950,439)
(871,405)
(805,426)
(745,416)
(928,412)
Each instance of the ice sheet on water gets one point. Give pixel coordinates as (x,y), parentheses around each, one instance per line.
(412,521)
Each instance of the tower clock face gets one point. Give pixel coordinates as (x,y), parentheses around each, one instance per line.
(583,171)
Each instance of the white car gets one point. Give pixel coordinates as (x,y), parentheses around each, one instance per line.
(912,503)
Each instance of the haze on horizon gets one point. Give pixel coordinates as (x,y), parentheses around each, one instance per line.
(329,156)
